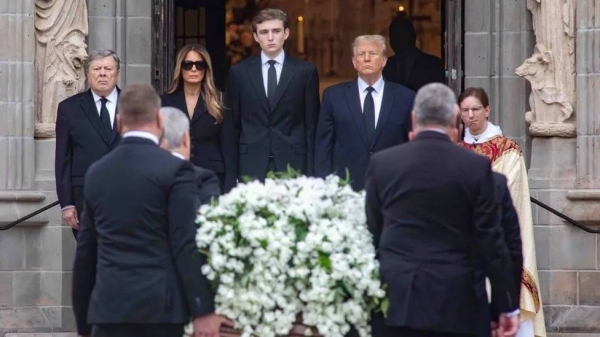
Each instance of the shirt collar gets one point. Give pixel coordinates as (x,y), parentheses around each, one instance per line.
(279,58)
(112,97)
(378,85)
(141,134)
(178,155)
(490,132)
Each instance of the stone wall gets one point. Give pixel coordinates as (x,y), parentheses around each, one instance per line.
(563,171)
(36,257)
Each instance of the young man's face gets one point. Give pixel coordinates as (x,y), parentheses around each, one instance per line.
(271,35)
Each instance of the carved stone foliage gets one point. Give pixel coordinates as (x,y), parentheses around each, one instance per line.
(551,69)
(60,29)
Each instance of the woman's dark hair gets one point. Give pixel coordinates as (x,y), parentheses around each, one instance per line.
(476,92)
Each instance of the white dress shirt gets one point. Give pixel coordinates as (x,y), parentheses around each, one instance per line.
(264,59)
(111,104)
(178,155)
(141,134)
(377,94)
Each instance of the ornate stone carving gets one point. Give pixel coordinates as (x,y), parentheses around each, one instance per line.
(551,69)
(60,29)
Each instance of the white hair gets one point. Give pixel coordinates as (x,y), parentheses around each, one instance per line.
(379,39)
(435,105)
(176,124)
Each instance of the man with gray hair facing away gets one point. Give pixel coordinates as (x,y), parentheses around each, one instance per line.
(432,210)
(176,139)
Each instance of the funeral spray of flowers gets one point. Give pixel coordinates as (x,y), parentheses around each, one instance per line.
(291,247)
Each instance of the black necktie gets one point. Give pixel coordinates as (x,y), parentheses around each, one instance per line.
(105,118)
(271,83)
(369,113)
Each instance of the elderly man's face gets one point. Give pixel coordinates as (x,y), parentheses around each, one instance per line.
(368,59)
(103,75)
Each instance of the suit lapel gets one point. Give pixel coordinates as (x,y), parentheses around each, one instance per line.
(386,107)
(115,131)
(287,73)
(89,108)
(353,100)
(199,110)
(256,78)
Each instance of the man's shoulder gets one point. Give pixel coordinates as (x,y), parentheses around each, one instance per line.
(243,64)
(75,99)
(400,90)
(300,62)
(337,88)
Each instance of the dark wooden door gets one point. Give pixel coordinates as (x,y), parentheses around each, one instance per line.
(180,22)
(453,44)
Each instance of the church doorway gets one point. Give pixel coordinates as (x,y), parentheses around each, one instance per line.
(321,32)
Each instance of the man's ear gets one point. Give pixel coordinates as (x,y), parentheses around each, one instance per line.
(119,124)
(186,141)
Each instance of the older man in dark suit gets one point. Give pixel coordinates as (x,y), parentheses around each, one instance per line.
(363,116)
(275,103)
(176,139)
(137,270)
(85,131)
(432,209)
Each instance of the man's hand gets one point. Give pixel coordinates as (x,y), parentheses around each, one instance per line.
(507,326)
(69,216)
(209,325)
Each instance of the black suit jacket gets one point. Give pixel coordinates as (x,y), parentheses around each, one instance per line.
(287,131)
(416,71)
(136,258)
(80,141)
(213,145)
(208,185)
(512,234)
(341,140)
(432,209)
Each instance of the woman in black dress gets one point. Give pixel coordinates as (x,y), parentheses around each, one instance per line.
(211,124)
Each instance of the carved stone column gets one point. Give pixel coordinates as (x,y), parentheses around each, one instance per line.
(551,69)
(17,85)
(60,29)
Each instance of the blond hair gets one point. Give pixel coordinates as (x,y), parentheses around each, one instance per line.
(210,94)
(379,39)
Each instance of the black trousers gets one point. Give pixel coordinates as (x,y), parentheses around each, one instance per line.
(135,330)
(78,201)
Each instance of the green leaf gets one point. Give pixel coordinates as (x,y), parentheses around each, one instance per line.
(246,179)
(385,306)
(264,243)
(301,232)
(325,261)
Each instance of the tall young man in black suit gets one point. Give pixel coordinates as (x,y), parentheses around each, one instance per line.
(432,209)
(275,103)
(85,131)
(137,270)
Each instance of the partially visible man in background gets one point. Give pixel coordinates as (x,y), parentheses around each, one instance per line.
(85,131)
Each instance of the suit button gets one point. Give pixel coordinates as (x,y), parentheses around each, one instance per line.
(370,153)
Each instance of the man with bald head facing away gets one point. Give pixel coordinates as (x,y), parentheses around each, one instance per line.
(432,210)
(176,139)
(137,269)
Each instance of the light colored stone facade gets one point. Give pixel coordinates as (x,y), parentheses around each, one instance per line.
(36,257)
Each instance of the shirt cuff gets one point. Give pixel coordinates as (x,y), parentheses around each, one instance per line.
(512,313)
(67,207)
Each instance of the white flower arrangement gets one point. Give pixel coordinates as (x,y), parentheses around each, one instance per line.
(291,247)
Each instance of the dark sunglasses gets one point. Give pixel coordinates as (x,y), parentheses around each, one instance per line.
(188,65)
